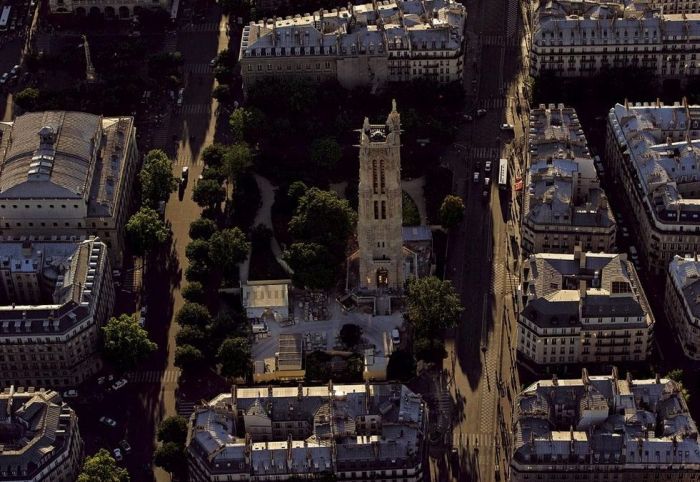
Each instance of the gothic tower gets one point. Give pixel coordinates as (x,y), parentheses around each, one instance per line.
(379,210)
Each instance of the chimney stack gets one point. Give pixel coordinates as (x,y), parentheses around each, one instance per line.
(582,288)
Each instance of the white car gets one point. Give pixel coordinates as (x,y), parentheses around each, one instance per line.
(108,421)
(5,77)
(118,384)
(70,394)
(625,232)
(142,321)
(476,177)
(506,127)
(487,166)
(395,336)
(487,181)
(212,62)
(125,446)
(118,455)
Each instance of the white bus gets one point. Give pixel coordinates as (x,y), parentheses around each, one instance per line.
(5,17)
(503,173)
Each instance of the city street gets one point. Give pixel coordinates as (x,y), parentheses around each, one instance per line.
(482,252)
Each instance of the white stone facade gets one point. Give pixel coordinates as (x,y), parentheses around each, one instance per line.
(578,39)
(109,8)
(362,45)
(682,303)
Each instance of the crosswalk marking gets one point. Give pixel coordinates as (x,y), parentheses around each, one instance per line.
(498,40)
(196,109)
(199,69)
(184,408)
(154,376)
(489,153)
(493,103)
(170,43)
(201,27)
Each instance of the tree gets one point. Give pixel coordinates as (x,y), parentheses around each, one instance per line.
(202,228)
(213,155)
(197,272)
(125,342)
(102,467)
(157,180)
(197,251)
(146,230)
(192,335)
(27,99)
(234,356)
(321,217)
(208,193)
(350,334)
(170,457)
(164,64)
(401,366)
(675,375)
(193,314)
(172,429)
(296,190)
(325,152)
(247,124)
(428,348)
(309,261)
(237,160)
(433,304)
(193,291)
(222,93)
(451,211)
(188,357)
(227,248)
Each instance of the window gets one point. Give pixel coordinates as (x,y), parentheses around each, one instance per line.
(383,209)
(376,209)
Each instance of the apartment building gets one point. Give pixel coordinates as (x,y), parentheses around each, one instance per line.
(583,308)
(653,153)
(564,205)
(39,437)
(356,432)
(578,39)
(50,336)
(109,8)
(604,428)
(67,173)
(361,45)
(682,303)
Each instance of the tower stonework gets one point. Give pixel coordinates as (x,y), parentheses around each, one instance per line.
(379,223)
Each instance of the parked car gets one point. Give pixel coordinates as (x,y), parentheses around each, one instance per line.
(395,336)
(108,421)
(70,393)
(185,174)
(212,62)
(125,446)
(142,321)
(487,166)
(481,112)
(487,181)
(119,384)
(4,78)
(118,455)
(506,127)
(476,177)
(101,380)
(468,118)
(625,232)
(144,310)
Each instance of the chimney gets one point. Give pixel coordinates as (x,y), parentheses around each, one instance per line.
(300,391)
(234,399)
(289,450)
(577,254)
(584,376)
(582,288)
(658,378)
(555,381)
(269,391)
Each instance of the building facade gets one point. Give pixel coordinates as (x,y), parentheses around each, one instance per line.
(379,221)
(361,45)
(67,173)
(53,339)
(604,428)
(109,8)
(653,152)
(682,303)
(578,39)
(39,437)
(583,308)
(564,205)
(356,432)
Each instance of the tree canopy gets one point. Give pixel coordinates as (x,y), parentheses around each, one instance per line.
(193,314)
(247,124)
(311,266)
(208,193)
(234,356)
(156,176)
(193,291)
(237,159)
(170,457)
(173,429)
(433,304)
(451,211)
(197,251)
(321,217)
(126,344)
(227,248)
(102,467)
(213,155)
(401,366)
(145,230)
(188,357)
(27,99)
(192,335)
(325,152)
(202,228)
(350,334)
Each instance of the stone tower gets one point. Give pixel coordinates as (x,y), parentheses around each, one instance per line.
(379,210)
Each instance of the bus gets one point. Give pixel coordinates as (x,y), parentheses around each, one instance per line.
(503,173)
(5,17)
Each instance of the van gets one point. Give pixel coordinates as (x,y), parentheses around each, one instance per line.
(259,328)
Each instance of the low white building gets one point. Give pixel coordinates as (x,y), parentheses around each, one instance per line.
(267,300)
(109,8)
